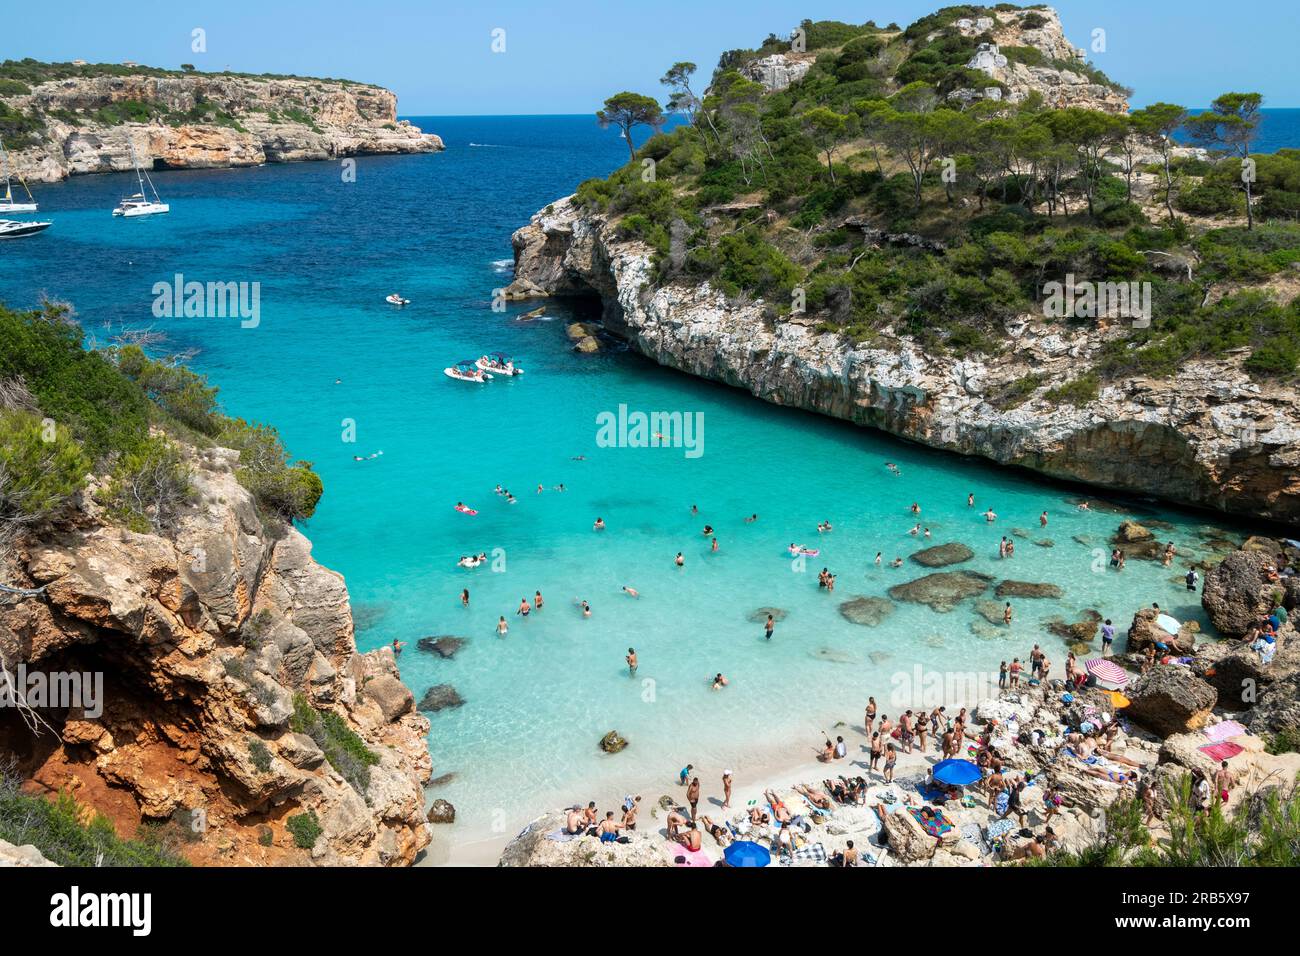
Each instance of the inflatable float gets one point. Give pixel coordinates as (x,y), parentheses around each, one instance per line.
(800,550)
(466,510)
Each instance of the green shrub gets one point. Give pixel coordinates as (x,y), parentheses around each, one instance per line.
(1077,391)
(61,829)
(306,829)
(259,755)
(41,467)
(346,752)
(149,486)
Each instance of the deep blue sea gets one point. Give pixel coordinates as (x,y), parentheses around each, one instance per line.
(330,358)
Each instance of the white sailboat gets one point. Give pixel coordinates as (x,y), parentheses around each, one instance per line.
(7,202)
(140,204)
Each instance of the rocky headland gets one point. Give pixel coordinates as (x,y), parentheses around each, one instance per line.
(236,708)
(81,120)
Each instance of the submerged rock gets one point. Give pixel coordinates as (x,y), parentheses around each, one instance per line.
(942,555)
(759,616)
(867,611)
(1080,632)
(1027,589)
(612,742)
(1130,532)
(991,611)
(440,697)
(445,646)
(942,591)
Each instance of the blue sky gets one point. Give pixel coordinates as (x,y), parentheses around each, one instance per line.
(565,56)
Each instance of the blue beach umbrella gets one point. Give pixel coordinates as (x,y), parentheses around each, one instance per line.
(746,853)
(956,773)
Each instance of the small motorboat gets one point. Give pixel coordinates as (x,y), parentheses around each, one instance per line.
(396,299)
(17,228)
(499,363)
(466,371)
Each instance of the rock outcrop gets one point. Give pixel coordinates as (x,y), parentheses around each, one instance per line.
(532,847)
(1237,593)
(1170,700)
(203,121)
(1209,435)
(1144,632)
(233,692)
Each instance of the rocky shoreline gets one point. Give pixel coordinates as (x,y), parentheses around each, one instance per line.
(1173,710)
(234,698)
(1208,436)
(252,120)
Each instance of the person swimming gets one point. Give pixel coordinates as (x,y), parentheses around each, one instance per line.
(599,525)
(719,681)
(584,606)
(679,560)
(751,519)
(631,592)
(708,530)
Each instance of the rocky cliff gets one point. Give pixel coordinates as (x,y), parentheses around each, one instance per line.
(234,700)
(1207,436)
(88,123)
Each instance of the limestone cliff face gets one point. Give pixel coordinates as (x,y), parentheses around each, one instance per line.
(1208,436)
(207,637)
(279,120)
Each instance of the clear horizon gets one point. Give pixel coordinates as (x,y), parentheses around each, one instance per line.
(440,62)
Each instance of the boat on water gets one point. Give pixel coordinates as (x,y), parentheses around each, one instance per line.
(499,363)
(466,371)
(396,299)
(7,202)
(139,204)
(17,228)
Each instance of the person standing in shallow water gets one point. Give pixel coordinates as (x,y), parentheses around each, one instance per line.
(631,661)
(464,598)
(693,795)
(871,713)
(769,626)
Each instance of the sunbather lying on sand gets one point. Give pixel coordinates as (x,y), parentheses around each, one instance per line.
(720,834)
(815,797)
(783,814)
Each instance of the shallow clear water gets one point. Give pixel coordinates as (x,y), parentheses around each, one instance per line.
(436,228)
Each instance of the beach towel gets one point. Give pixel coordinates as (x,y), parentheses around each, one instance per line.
(936,827)
(1222,731)
(813,853)
(559,836)
(1221,751)
(690,857)
(931,793)
(999,828)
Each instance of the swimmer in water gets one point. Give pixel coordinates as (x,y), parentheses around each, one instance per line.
(537,600)
(708,530)
(970,500)
(714,548)
(719,681)
(1083,506)
(877,559)
(464,597)
(990,516)
(524,608)
(751,519)
(1042,520)
(915,529)
(631,592)
(586,609)
(927,532)
(695,510)
(502,626)
(397,647)
(631,661)
(897,563)
(578,458)
(679,560)
(916,509)
(599,525)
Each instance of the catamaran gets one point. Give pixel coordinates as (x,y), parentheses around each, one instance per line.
(7,203)
(139,204)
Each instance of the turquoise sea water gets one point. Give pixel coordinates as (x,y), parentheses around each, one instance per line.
(436,228)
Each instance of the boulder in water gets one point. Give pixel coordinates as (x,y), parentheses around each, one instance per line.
(1144,630)
(612,742)
(942,555)
(867,611)
(1027,589)
(1130,532)
(440,697)
(943,590)
(442,812)
(991,611)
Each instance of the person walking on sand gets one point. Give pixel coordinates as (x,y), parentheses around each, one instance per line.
(920,732)
(886,726)
(693,795)
(685,774)
(891,758)
(726,789)
(877,751)
(769,626)
(631,661)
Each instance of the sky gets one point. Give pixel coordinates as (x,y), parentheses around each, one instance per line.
(566,56)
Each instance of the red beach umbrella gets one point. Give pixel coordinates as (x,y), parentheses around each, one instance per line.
(1107,673)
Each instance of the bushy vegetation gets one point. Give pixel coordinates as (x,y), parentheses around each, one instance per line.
(30,72)
(305,828)
(1263,830)
(120,414)
(70,835)
(346,752)
(769,194)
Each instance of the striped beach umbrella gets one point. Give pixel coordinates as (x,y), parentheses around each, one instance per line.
(1107,673)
